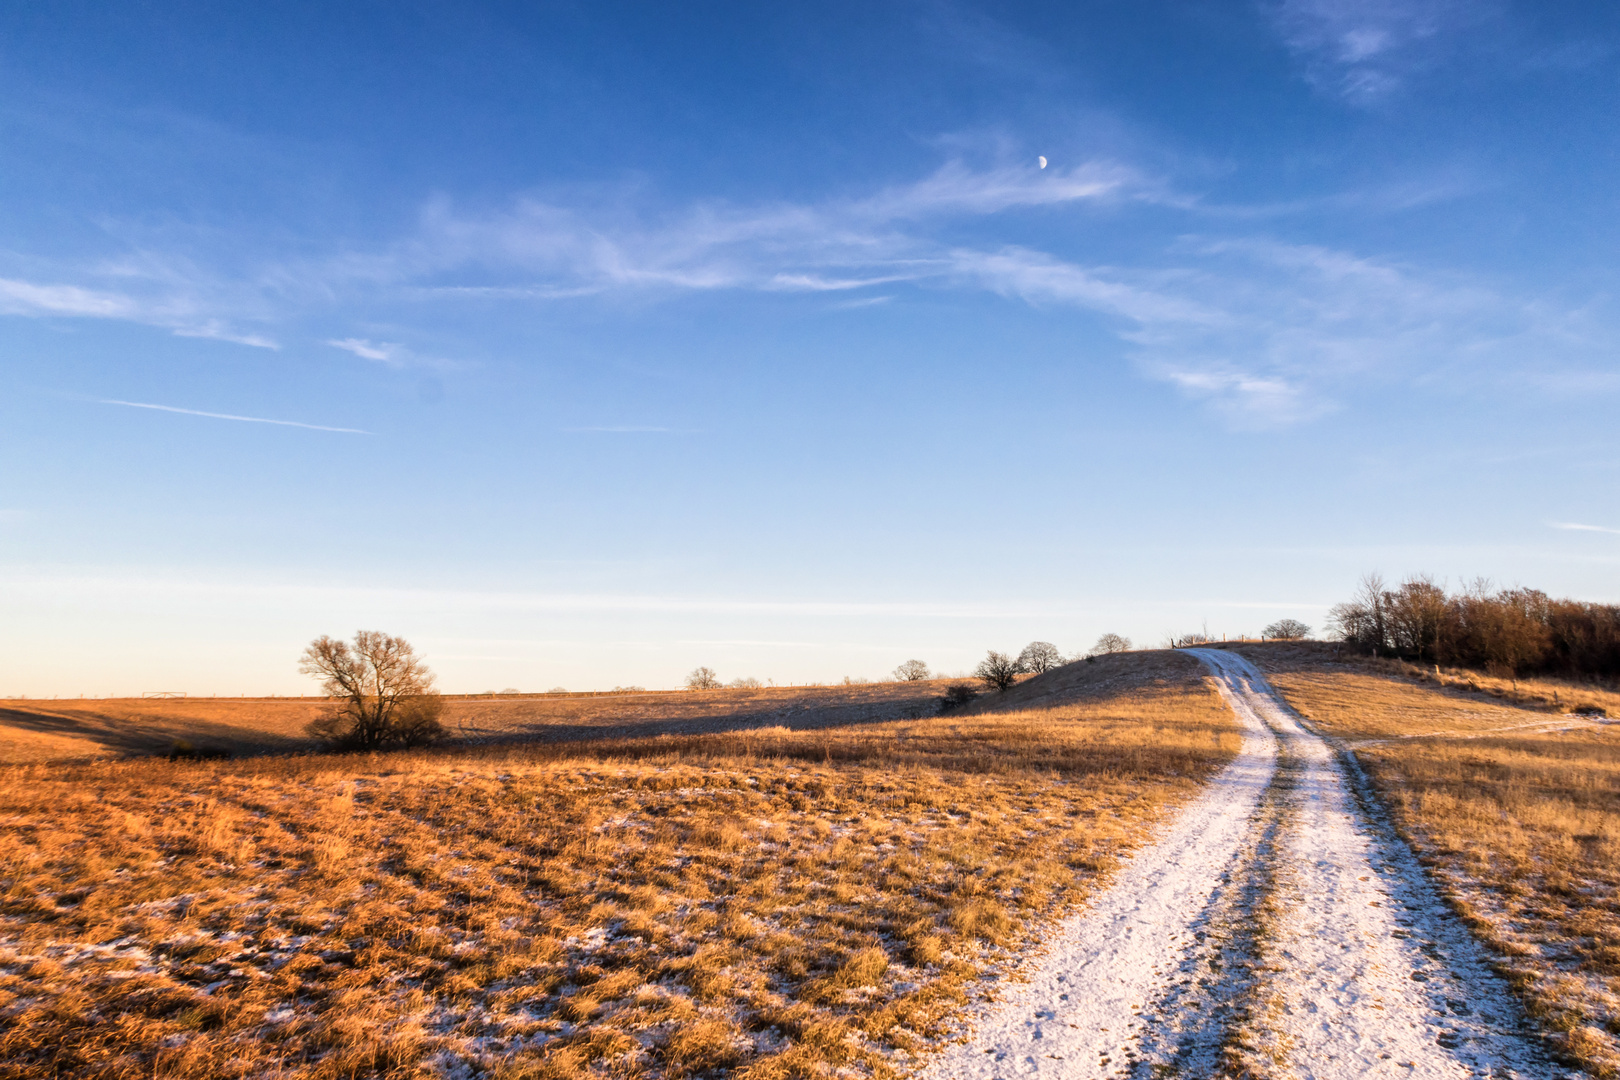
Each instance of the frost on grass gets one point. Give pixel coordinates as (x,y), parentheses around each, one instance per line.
(777,904)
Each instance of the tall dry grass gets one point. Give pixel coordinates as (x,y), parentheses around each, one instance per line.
(774,903)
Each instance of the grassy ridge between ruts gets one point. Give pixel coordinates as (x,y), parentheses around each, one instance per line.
(1513,806)
(771,903)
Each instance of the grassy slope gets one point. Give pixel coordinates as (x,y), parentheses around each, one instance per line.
(1515,807)
(772,903)
(43,730)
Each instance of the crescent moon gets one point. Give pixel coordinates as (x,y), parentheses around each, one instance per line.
(1043,162)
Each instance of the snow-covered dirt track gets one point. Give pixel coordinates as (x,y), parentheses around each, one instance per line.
(1278,927)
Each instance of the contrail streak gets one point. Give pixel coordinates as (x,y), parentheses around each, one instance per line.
(230,416)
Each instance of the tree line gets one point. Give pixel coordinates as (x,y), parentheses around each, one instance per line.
(1507,632)
(997,670)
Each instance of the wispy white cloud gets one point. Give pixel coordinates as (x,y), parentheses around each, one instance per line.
(391,354)
(1583,528)
(956,188)
(1037,277)
(1364,50)
(218,331)
(1251,398)
(539,251)
(1303,325)
(1266,332)
(303,596)
(817,283)
(367,350)
(232,416)
(862,302)
(839,245)
(29,298)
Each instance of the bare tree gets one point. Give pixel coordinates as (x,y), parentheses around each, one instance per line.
(911,671)
(997,670)
(703,678)
(1111,643)
(1505,633)
(1286,630)
(383,693)
(1363,621)
(1418,617)
(747,682)
(1040,657)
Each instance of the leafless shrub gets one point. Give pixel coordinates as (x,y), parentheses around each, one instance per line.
(1286,630)
(747,682)
(1111,643)
(956,695)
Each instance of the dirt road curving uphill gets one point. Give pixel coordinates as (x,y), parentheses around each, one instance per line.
(1277,928)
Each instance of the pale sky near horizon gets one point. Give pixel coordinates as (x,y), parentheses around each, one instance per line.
(583,344)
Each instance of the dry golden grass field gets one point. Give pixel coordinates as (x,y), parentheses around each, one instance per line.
(51,729)
(764,902)
(1514,804)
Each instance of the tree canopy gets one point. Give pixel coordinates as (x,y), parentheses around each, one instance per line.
(1039,657)
(997,670)
(911,671)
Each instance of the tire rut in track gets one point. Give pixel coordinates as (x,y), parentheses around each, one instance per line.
(1215,1019)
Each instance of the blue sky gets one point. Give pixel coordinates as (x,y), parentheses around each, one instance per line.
(584,344)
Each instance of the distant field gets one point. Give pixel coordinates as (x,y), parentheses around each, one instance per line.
(44,730)
(790,900)
(1515,803)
